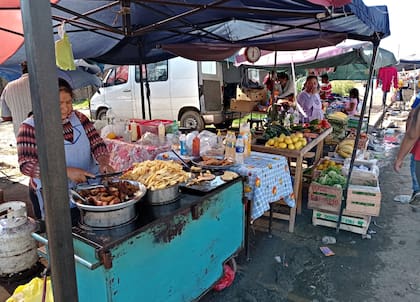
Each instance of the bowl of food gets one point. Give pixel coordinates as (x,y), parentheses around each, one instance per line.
(108,205)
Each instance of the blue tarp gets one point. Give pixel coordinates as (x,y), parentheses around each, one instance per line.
(208,29)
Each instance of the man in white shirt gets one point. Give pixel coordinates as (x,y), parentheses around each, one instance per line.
(284,86)
(16,101)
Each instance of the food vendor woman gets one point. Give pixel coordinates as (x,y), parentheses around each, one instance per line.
(310,101)
(85,152)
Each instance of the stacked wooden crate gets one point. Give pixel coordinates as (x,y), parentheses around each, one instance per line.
(363,200)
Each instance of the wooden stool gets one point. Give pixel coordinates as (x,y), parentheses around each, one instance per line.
(288,217)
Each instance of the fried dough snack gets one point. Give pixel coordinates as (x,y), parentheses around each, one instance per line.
(157,174)
(211,161)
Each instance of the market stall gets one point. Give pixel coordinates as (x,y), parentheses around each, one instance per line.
(180,247)
(38,32)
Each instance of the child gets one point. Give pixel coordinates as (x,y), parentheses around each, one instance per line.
(351,106)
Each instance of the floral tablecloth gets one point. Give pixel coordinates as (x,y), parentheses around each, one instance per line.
(123,154)
(267,180)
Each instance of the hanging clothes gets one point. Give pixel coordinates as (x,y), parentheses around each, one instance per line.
(387,76)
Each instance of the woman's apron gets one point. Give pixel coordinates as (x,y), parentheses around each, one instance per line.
(78,155)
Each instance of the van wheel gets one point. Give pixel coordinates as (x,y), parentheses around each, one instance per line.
(192,120)
(101,115)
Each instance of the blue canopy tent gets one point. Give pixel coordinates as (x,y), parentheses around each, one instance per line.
(135,31)
(127,32)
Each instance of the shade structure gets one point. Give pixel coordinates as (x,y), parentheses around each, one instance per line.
(127,32)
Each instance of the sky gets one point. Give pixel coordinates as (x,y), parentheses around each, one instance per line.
(404,25)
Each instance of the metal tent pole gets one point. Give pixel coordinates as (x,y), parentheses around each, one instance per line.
(39,46)
(359,129)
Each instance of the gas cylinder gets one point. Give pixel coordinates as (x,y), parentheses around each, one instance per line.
(18,250)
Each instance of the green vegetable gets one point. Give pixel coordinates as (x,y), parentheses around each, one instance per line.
(332,177)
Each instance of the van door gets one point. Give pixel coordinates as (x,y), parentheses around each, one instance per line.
(159,84)
(211,81)
(118,91)
(211,94)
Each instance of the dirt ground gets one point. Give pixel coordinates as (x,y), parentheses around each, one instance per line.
(381,269)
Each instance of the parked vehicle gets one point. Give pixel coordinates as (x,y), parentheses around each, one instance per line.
(180,89)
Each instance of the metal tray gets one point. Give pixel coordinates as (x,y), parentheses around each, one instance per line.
(137,196)
(197,162)
(203,187)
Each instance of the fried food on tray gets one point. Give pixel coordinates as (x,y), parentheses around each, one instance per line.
(207,176)
(157,174)
(229,175)
(212,161)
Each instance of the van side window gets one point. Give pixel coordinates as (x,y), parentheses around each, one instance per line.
(155,72)
(117,76)
(209,68)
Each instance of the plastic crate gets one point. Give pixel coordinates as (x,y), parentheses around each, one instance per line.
(152,125)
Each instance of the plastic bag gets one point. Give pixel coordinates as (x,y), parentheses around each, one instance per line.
(32,291)
(63,51)
(226,280)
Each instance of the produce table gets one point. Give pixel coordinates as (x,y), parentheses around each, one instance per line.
(317,142)
(123,154)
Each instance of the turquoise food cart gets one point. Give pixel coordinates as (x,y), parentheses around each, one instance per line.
(173,252)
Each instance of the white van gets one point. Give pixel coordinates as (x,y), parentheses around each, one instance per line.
(180,89)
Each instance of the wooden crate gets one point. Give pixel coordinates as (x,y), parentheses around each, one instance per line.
(364,200)
(324,197)
(355,223)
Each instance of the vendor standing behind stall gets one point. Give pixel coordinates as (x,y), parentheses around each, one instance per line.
(351,106)
(284,86)
(85,152)
(310,101)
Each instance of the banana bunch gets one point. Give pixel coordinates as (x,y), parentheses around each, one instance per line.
(338,116)
(345,148)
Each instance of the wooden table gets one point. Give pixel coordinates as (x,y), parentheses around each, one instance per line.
(298,155)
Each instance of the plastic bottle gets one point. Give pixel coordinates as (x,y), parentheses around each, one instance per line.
(196,147)
(230,152)
(134,132)
(175,128)
(175,132)
(245,131)
(240,148)
(161,132)
(183,144)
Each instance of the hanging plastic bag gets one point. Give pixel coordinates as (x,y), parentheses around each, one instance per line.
(63,51)
(32,292)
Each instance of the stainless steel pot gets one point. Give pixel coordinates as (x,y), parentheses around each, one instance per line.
(163,196)
(107,219)
(111,215)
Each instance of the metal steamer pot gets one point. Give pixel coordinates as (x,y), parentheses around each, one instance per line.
(163,196)
(18,250)
(111,215)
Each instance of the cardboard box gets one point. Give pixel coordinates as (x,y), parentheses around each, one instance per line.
(247,94)
(242,106)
